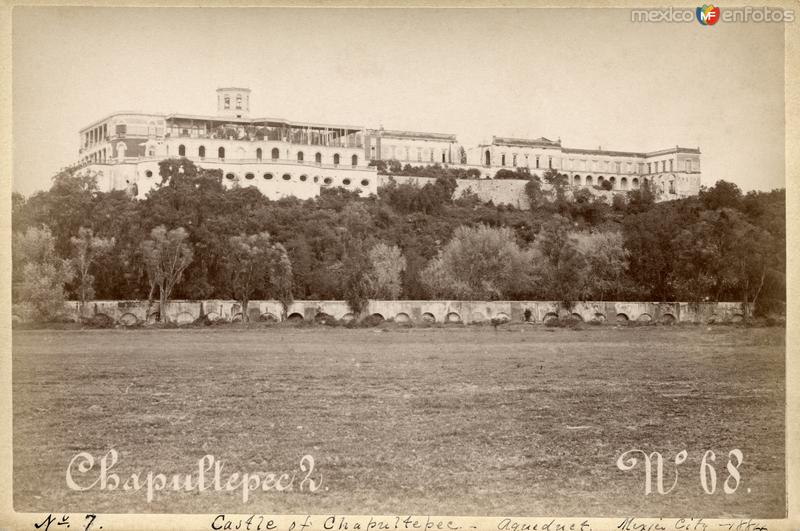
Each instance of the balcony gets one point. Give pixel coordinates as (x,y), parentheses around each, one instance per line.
(229,136)
(290,162)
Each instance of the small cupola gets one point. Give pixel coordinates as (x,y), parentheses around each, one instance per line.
(233,102)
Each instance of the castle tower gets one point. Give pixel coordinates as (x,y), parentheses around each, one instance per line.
(233,102)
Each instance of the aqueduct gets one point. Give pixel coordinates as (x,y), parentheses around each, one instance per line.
(452,312)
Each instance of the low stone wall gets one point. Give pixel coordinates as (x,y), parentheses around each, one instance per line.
(183,312)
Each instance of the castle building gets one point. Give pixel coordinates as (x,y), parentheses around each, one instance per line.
(674,172)
(288,158)
(412,148)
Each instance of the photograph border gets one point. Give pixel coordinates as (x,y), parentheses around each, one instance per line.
(9,519)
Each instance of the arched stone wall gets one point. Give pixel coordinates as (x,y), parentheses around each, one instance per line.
(467,312)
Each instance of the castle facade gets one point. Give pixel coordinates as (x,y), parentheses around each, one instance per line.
(288,158)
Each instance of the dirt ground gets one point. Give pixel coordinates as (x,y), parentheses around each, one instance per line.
(517,421)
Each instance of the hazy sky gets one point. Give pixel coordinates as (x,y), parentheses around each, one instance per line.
(589,76)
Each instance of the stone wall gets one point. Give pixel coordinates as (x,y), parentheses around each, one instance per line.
(183,312)
(499,191)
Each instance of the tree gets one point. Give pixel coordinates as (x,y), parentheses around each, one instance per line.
(559,183)
(255,263)
(606,261)
(357,284)
(641,199)
(166,255)
(281,278)
(387,265)
(65,207)
(589,208)
(747,256)
(479,263)
(559,264)
(536,197)
(618,203)
(39,275)
(86,249)
(697,269)
(649,238)
(723,194)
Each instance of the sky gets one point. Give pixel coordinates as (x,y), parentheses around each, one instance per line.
(590,77)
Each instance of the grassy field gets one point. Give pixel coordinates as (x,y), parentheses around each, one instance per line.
(519,421)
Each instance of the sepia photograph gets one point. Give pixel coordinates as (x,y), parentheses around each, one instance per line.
(497,263)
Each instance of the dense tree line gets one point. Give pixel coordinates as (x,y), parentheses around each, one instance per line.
(192,238)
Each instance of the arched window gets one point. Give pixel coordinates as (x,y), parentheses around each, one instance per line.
(503,159)
(588,180)
(576,180)
(221,153)
(181,150)
(259,154)
(238,101)
(488,156)
(201,152)
(336,158)
(299,156)
(275,153)
(443,157)
(227,102)
(354,160)
(318,158)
